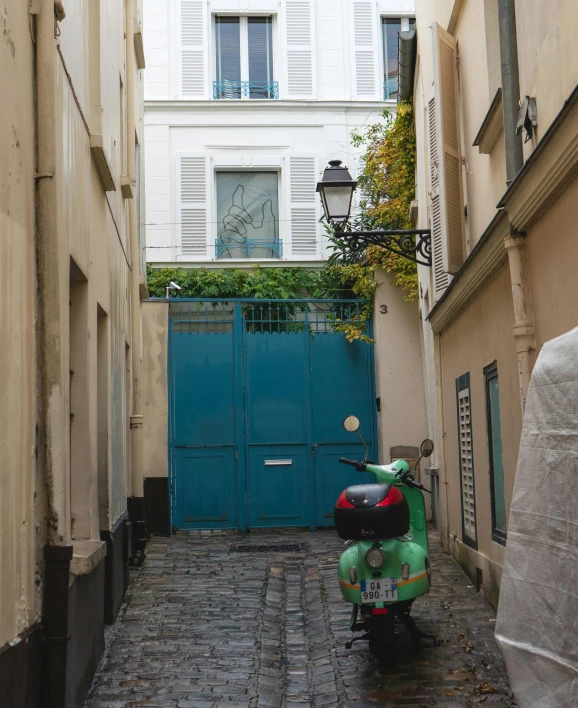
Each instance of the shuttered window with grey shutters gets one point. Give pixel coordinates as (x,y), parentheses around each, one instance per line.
(445,163)
(192,48)
(303,205)
(299,34)
(364,49)
(466,453)
(193,205)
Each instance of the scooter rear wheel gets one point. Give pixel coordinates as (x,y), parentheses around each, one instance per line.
(383,637)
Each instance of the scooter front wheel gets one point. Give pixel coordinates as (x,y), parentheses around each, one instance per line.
(383,636)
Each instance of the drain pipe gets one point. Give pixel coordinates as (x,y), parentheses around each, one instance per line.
(136,420)
(515,243)
(55,625)
(52,280)
(510,87)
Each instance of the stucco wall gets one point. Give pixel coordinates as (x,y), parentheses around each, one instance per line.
(552,257)
(155,392)
(94,233)
(547,56)
(19,606)
(480,335)
(398,369)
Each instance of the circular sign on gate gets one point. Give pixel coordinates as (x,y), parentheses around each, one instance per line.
(351,424)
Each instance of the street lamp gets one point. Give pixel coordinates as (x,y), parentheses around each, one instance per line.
(336,189)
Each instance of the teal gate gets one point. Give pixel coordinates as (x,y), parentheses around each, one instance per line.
(258,395)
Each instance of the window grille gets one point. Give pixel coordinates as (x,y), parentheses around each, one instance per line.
(466,459)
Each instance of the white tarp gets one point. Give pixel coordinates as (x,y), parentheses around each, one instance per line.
(537,625)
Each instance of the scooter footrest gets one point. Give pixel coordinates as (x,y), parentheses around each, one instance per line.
(365,638)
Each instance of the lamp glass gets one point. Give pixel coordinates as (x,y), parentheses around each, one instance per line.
(337,202)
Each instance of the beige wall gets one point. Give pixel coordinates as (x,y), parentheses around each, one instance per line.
(547,56)
(398,369)
(19,606)
(477,323)
(55,497)
(155,392)
(483,176)
(552,257)
(480,335)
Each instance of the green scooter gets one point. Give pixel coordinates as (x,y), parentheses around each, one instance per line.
(388,567)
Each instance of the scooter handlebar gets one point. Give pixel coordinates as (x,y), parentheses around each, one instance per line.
(359,466)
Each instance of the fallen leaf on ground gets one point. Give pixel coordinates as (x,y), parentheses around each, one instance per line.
(484,688)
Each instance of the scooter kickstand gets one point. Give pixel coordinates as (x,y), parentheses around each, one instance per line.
(365,638)
(417,634)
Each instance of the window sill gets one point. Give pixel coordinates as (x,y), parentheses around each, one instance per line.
(492,126)
(86,555)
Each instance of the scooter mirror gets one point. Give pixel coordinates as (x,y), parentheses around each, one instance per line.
(351,424)
(426,448)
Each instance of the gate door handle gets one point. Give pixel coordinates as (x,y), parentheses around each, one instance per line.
(278,463)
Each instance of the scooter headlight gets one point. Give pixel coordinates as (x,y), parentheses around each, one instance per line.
(375,558)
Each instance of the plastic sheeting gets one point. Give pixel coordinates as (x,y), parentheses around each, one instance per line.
(537,625)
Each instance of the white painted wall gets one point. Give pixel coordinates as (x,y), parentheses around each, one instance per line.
(344,55)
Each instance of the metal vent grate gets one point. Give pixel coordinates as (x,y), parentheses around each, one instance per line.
(269,548)
(467,464)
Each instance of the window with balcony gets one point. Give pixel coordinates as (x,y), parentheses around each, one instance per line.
(248,215)
(244,58)
(391,27)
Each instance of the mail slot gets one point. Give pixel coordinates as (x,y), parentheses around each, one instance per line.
(278,463)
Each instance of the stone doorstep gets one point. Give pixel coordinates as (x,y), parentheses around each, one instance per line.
(86,555)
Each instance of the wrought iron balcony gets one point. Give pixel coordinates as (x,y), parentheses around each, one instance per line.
(390,87)
(249,248)
(246,89)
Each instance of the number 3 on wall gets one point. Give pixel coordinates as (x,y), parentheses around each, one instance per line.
(383,309)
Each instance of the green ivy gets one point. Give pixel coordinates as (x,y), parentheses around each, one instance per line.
(260,283)
(388,187)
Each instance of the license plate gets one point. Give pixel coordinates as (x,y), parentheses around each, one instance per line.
(379,590)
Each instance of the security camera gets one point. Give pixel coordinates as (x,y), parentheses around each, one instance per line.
(174,286)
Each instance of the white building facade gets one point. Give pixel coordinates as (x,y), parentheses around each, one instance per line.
(246,102)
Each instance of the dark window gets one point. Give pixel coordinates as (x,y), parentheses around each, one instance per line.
(495,454)
(260,40)
(244,58)
(391,28)
(228,53)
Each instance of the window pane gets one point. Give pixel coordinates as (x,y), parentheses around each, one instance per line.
(260,41)
(391,28)
(248,215)
(412,23)
(497,468)
(228,56)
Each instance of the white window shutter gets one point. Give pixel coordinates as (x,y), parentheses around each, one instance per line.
(192,171)
(446,163)
(466,457)
(441,277)
(304,219)
(299,37)
(192,48)
(364,52)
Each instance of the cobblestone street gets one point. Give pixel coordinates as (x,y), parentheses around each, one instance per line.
(206,626)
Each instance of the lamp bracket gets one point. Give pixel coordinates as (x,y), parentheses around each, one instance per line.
(413,244)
